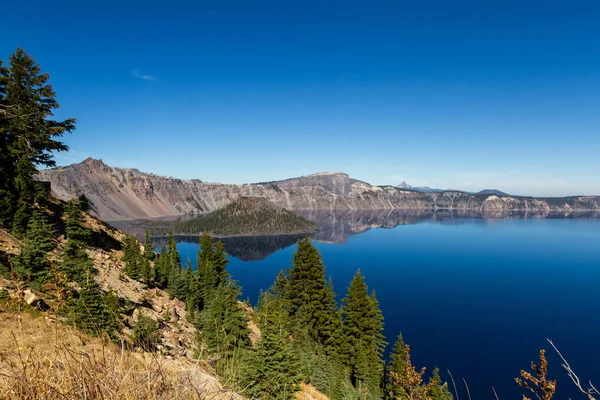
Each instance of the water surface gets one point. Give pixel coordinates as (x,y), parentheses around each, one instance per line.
(476,296)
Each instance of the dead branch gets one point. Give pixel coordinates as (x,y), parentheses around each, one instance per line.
(589,392)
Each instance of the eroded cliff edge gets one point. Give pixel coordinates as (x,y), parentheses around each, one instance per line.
(123,193)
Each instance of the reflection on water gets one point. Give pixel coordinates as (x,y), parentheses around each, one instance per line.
(337,226)
(245,248)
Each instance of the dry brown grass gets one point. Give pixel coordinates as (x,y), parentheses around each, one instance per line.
(40,359)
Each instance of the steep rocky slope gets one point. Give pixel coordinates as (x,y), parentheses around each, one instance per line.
(119,193)
(174,354)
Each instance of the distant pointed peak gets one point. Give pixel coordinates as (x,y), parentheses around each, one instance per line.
(404,185)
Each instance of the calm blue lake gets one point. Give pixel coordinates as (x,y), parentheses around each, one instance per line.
(478,297)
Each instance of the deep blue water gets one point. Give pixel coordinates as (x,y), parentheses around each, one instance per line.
(478,297)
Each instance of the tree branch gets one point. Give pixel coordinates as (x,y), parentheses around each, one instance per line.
(591,391)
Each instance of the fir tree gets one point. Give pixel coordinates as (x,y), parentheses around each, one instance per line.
(148,250)
(397,366)
(76,264)
(33,261)
(74,223)
(405,382)
(310,299)
(20,219)
(30,137)
(363,326)
(132,257)
(6,167)
(90,314)
(173,254)
(272,369)
(161,272)
(212,268)
(437,389)
(223,323)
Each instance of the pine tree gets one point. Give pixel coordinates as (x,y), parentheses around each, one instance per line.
(33,261)
(310,299)
(7,193)
(272,370)
(31,134)
(223,323)
(397,366)
(89,313)
(363,324)
(133,258)
(174,257)
(74,223)
(405,382)
(76,264)
(438,390)
(148,250)
(20,220)
(161,272)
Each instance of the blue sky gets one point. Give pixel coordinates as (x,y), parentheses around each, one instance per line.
(452,94)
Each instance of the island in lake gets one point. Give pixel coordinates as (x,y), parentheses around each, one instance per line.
(246,216)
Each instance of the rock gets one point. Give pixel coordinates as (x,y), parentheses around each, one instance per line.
(30,298)
(174,315)
(149,195)
(34,301)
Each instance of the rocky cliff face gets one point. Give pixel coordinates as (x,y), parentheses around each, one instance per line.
(119,193)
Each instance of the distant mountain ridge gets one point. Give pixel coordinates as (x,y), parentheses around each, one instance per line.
(124,193)
(427,189)
(424,189)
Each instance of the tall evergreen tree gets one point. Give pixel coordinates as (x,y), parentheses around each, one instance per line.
(33,261)
(6,167)
(406,383)
(397,366)
(161,272)
(173,254)
(31,135)
(310,299)
(132,257)
(272,369)
(363,326)
(148,250)
(437,389)
(223,323)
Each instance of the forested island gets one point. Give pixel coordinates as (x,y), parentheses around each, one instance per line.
(246,216)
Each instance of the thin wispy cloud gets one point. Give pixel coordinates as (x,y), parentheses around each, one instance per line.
(137,74)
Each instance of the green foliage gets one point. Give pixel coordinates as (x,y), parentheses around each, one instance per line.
(132,257)
(363,324)
(438,390)
(146,333)
(223,323)
(272,369)
(33,263)
(311,300)
(74,222)
(91,314)
(397,365)
(76,264)
(245,216)
(84,203)
(148,250)
(28,136)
